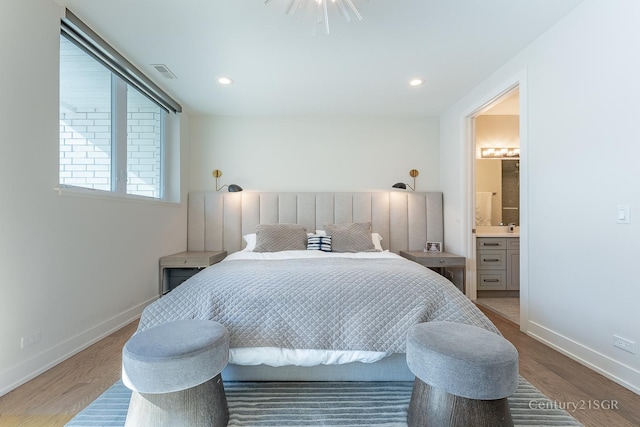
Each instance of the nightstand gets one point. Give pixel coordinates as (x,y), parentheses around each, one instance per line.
(176,268)
(440,261)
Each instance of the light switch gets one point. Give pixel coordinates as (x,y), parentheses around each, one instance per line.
(623,214)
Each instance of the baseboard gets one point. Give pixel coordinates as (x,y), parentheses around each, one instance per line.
(620,373)
(26,370)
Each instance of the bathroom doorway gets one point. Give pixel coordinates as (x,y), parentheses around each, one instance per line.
(497,206)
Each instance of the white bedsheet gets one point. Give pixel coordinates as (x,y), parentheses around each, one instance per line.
(274,356)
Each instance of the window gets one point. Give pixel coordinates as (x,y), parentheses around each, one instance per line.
(85,120)
(112,118)
(145,135)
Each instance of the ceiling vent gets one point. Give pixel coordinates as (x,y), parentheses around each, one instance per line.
(165,71)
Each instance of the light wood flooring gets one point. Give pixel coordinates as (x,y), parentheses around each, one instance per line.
(53,398)
(56,396)
(506,307)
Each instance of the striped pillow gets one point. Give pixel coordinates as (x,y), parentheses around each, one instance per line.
(319,243)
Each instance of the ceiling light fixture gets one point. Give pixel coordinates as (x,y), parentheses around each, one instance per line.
(345,8)
(416,82)
(225,81)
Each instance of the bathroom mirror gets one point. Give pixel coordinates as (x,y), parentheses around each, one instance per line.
(497,192)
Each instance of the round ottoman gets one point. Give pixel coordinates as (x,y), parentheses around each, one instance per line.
(464,375)
(174,372)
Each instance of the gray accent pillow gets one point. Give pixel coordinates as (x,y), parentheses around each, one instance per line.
(354,237)
(280,237)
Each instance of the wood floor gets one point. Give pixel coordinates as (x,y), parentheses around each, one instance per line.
(506,307)
(53,398)
(570,383)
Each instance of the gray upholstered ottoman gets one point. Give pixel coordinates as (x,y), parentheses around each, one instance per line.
(174,372)
(464,375)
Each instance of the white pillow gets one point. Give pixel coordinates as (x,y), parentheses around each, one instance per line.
(250,239)
(375,238)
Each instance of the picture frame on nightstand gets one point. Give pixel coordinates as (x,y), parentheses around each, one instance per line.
(433,247)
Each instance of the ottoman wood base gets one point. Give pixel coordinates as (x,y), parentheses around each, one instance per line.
(433,407)
(204,405)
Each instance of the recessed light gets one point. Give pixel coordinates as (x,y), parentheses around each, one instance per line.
(225,81)
(416,82)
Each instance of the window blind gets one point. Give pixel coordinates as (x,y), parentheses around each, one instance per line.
(84,37)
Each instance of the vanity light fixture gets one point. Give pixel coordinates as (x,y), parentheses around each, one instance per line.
(500,153)
(232,188)
(412,173)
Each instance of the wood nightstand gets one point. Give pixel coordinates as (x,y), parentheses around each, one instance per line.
(176,268)
(440,261)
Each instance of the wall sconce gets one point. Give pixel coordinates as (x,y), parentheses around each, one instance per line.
(412,173)
(500,153)
(217,173)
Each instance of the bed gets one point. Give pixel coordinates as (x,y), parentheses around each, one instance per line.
(313,287)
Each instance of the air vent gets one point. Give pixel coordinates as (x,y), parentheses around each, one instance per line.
(164,70)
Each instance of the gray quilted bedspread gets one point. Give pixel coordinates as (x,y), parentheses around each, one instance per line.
(330,304)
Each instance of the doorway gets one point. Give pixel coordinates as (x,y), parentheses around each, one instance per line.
(497,205)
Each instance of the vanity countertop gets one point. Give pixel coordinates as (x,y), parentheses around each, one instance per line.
(496,231)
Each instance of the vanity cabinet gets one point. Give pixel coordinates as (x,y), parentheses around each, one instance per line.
(513,263)
(498,263)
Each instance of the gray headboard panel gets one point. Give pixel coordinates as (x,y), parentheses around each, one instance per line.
(405,220)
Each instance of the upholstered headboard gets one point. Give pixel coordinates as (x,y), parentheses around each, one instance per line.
(405,220)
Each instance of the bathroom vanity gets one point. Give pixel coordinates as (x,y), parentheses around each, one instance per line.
(498,262)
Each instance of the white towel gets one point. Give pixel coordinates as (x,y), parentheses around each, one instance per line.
(483,208)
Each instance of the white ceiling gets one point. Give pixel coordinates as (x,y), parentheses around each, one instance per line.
(279,67)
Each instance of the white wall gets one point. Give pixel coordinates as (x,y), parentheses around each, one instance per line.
(71,268)
(497,131)
(315,153)
(581,161)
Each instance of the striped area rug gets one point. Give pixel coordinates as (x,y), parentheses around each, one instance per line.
(319,404)
(323,404)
